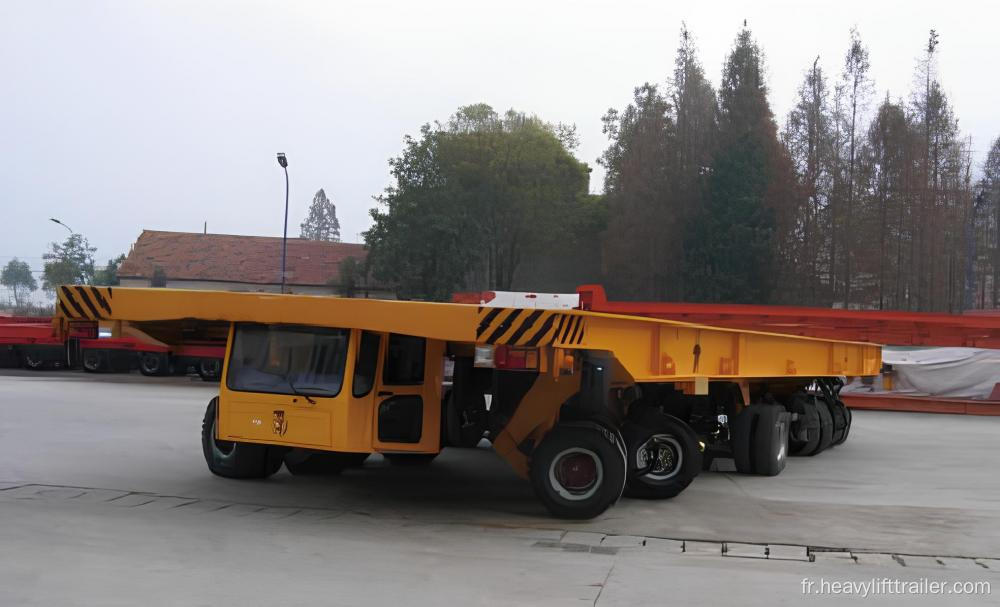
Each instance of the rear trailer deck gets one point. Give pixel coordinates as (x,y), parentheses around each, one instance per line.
(584,404)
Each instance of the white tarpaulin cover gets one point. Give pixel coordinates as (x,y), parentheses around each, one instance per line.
(945,372)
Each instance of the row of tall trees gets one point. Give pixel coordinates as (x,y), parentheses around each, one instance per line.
(849,203)
(855,199)
(888,220)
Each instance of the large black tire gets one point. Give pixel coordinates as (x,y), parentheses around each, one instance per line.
(153,364)
(850,419)
(93,361)
(233,459)
(845,414)
(210,369)
(759,437)
(321,463)
(839,415)
(662,453)
(825,427)
(578,471)
(804,436)
(410,459)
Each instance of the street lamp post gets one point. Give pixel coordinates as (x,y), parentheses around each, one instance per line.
(54,220)
(283,162)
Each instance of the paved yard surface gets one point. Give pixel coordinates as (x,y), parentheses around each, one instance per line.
(105,500)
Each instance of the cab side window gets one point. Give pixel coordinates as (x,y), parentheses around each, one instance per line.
(404,360)
(365,365)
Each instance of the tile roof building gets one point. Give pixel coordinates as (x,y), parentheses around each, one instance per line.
(231,262)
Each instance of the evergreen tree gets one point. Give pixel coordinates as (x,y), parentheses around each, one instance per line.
(732,246)
(322,223)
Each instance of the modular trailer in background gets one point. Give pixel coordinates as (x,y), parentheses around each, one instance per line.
(34,343)
(585,405)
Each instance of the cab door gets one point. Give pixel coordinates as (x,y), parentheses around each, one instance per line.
(407,412)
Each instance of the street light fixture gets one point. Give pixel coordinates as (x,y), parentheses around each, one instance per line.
(54,220)
(283,163)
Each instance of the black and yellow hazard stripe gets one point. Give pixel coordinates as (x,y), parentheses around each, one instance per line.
(84,302)
(530,328)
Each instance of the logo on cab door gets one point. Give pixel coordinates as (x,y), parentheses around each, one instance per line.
(279,425)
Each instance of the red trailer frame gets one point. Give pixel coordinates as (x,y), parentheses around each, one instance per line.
(893,327)
(32,342)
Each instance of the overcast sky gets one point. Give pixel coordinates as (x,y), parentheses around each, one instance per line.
(120,116)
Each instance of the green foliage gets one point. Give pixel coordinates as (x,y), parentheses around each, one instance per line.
(473,199)
(69,263)
(351,277)
(17,277)
(108,275)
(322,222)
(730,247)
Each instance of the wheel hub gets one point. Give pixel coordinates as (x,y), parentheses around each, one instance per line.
(660,456)
(576,474)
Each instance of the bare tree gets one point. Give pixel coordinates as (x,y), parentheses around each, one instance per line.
(858,87)
(807,137)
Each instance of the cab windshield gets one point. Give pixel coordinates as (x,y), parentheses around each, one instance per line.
(288,359)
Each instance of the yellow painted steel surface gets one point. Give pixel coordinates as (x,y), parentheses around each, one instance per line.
(649,349)
(342,422)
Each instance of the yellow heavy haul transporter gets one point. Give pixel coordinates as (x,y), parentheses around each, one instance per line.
(585,405)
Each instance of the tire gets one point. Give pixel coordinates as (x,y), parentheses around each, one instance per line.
(210,369)
(153,364)
(850,419)
(662,452)
(410,459)
(825,428)
(321,463)
(760,439)
(578,471)
(92,361)
(839,416)
(846,414)
(233,459)
(803,438)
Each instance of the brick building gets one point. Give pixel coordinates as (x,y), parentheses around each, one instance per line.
(229,262)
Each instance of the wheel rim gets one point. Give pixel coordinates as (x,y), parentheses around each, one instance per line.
(576,474)
(91,362)
(32,362)
(663,453)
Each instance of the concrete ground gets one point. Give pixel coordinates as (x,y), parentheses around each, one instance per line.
(105,500)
